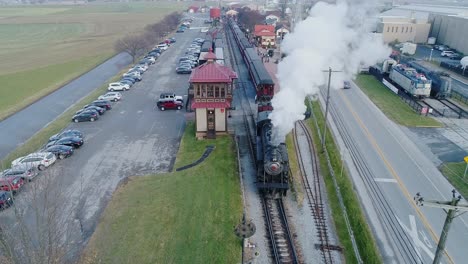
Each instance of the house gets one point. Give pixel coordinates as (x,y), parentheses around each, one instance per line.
(271,19)
(265,35)
(281,31)
(210,94)
(193,9)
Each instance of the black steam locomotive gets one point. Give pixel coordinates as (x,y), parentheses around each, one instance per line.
(272,159)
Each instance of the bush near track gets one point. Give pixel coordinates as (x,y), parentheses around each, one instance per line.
(364,238)
(391,105)
(178,217)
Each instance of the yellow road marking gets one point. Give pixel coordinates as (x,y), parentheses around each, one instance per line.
(394,174)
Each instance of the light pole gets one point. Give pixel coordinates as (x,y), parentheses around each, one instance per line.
(430,56)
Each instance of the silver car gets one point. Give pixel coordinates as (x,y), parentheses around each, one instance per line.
(111,96)
(39,160)
(27,173)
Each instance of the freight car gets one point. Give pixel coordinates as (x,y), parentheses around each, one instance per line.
(412,82)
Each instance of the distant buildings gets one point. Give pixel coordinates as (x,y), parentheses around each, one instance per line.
(416,23)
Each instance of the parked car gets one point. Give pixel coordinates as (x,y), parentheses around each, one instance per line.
(169,104)
(87,110)
(441,47)
(25,172)
(111,96)
(173,40)
(163,46)
(130,83)
(75,142)
(346,85)
(101,103)
(85,116)
(447,53)
(170,97)
(131,74)
(180,30)
(40,160)
(455,56)
(60,151)
(11,184)
(127,80)
(149,59)
(118,86)
(183,69)
(67,133)
(6,200)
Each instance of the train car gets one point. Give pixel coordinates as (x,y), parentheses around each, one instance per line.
(219,55)
(414,83)
(272,160)
(219,43)
(441,86)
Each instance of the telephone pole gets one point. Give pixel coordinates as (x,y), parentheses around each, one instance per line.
(451,208)
(326,107)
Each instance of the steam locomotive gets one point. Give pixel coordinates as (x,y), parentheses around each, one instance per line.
(272,159)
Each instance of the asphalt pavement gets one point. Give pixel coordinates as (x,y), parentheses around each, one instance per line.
(388,170)
(134,138)
(18,128)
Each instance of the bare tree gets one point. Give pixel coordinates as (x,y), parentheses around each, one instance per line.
(250,18)
(134,45)
(39,227)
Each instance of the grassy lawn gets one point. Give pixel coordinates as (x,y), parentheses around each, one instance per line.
(20,89)
(178,217)
(42,48)
(391,105)
(453,171)
(364,238)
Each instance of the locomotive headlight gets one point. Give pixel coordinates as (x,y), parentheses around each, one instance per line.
(273,168)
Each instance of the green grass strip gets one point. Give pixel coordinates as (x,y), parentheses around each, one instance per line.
(454,171)
(364,238)
(41,137)
(178,217)
(20,89)
(391,105)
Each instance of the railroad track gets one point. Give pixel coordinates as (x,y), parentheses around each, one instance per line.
(278,229)
(276,221)
(314,192)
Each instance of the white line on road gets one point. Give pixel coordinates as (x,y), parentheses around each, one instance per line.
(122,112)
(385,180)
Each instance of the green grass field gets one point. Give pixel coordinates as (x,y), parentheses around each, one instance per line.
(178,217)
(391,105)
(454,171)
(43,47)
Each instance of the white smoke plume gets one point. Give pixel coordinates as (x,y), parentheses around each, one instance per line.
(334,35)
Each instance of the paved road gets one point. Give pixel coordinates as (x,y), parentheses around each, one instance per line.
(388,170)
(19,127)
(134,138)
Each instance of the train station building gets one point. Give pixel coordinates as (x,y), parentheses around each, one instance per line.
(211,87)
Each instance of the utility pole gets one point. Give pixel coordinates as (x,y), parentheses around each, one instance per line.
(451,208)
(326,107)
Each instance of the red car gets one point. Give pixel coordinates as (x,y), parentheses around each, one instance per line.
(170,104)
(11,184)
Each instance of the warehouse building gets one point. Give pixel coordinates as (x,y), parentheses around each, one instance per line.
(403,29)
(450,30)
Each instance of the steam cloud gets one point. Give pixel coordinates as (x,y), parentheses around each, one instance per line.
(334,35)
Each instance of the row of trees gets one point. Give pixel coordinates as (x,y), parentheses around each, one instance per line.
(250,18)
(137,44)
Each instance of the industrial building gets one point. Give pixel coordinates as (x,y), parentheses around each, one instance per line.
(450,30)
(403,29)
(447,24)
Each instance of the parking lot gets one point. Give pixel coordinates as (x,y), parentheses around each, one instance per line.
(134,138)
